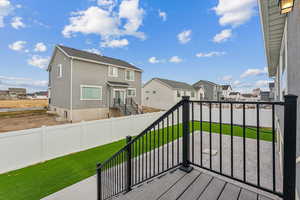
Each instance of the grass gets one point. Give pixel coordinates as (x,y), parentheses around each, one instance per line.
(40,180)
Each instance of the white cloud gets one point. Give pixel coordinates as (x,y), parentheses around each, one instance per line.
(108,23)
(226,78)
(223,36)
(40,47)
(235,12)
(210,54)
(17,46)
(5,9)
(261,83)
(38,61)
(153,60)
(185,36)
(254,72)
(29,83)
(175,59)
(93,50)
(115,43)
(17,23)
(162,15)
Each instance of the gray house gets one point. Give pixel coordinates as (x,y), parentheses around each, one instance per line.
(163,94)
(212,90)
(281,34)
(84,86)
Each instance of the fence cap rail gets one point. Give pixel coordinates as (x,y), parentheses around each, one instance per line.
(242,102)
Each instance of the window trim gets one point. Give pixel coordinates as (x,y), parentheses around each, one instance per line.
(60,73)
(112,67)
(126,75)
(91,86)
(134,92)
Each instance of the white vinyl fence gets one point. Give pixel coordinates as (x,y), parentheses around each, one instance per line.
(19,149)
(23,148)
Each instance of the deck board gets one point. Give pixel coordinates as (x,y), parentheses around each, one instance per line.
(230,192)
(180,187)
(213,190)
(195,190)
(197,184)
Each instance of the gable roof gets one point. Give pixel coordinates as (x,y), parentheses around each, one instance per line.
(76,53)
(204,81)
(226,87)
(175,84)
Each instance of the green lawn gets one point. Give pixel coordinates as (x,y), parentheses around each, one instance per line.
(40,180)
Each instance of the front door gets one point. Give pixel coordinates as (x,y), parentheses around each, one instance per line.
(119,96)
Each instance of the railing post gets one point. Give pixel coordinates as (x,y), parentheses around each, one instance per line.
(186,135)
(128,175)
(99,186)
(289,145)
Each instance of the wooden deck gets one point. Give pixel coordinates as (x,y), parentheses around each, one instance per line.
(197,184)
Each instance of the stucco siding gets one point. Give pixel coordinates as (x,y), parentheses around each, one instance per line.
(60,87)
(158,95)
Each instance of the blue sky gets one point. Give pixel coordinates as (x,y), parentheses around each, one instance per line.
(216,40)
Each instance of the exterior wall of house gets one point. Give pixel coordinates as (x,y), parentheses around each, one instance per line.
(287,77)
(212,91)
(60,87)
(158,95)
(293,67)
(84,73)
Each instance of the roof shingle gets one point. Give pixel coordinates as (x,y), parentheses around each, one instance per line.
(95,57)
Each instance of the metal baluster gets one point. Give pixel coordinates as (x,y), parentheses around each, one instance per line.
(201,136)
(244,143)
(273,147)
(158,149)
(154,141)
(231,137)
(220,119)
(163,142)
(178,136)
(193,137)
(210,138)
(258,144)
(172,139)
(168,142)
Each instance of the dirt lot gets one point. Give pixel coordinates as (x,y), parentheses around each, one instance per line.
(26,103)
(13,121)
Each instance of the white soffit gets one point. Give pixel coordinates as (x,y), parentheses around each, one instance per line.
(273,27)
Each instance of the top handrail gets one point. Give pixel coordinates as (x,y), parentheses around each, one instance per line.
(241,102)
(100,165)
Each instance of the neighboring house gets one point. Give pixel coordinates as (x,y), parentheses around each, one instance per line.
(226,89)
(41,95)
(265,96)
(212,90)
(4,94)
(17,92)
(84,85)
(234,96)
(163,94)
(272,90)
(282,45)
(256,91)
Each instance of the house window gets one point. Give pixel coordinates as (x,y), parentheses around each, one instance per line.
(129,75)
(193,94)
(131,92)
(59,71)
(154,92)
(178,93)
(89,92)
(112,71)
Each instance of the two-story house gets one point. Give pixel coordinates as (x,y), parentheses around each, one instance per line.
(212,90)
(226,89)
(84,85)
(163,94)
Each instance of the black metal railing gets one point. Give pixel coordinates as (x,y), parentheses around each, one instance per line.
(237,140)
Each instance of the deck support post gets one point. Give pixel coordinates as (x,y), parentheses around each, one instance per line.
(186,135)
(289,157)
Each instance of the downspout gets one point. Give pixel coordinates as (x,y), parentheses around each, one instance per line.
(71,91)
